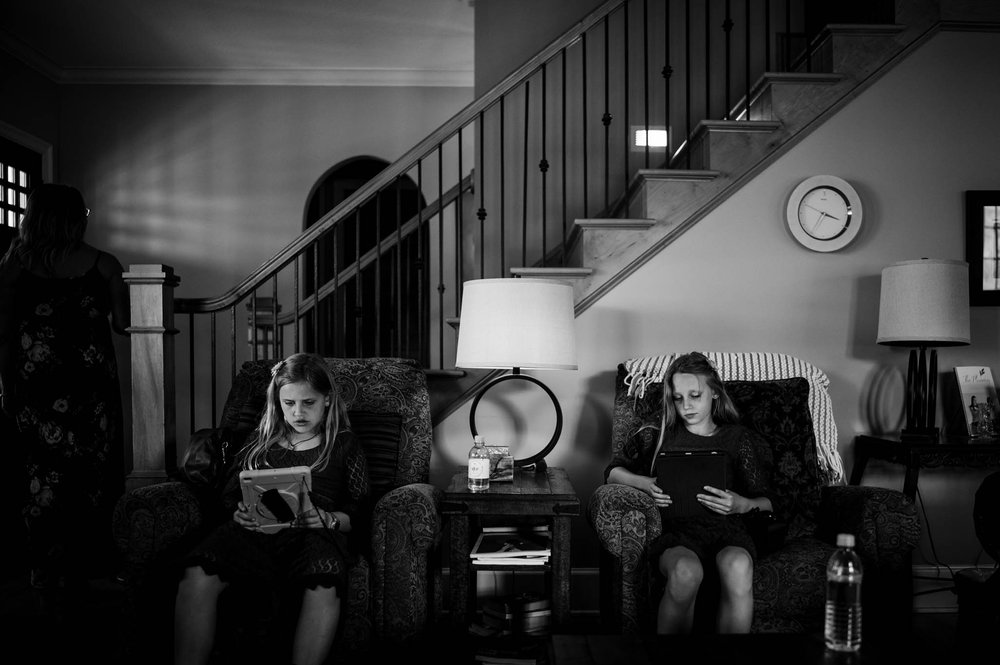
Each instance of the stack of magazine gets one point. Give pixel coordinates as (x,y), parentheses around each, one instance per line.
(512,546)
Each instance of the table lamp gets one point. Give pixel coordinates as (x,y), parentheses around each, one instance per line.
(517,323)
(923,303)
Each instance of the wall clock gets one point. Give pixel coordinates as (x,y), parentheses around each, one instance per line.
(824,213)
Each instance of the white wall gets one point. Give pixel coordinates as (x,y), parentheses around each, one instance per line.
(737,281)
(213,180)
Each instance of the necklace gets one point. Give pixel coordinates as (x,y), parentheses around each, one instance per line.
(295,444)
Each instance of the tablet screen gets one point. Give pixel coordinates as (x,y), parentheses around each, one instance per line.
(683,474)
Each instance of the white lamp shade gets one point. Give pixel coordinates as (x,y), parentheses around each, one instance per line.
(924,302)
(517,322)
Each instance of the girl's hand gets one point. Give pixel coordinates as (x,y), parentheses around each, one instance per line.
(316,518)
(243,517)
(660,498)
(723,502)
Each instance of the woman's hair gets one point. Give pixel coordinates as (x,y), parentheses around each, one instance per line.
(298,368)
(723,409)
(53,224)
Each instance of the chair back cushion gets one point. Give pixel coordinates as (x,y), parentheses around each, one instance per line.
(387,403)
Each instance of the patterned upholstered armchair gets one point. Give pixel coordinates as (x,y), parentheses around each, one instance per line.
(785,400)
(393,593)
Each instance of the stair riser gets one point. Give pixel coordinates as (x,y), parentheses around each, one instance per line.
(794,104)
(728,151)
(671,199)
(854,54)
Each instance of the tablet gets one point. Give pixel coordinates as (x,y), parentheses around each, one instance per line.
(683,474)
(276,497)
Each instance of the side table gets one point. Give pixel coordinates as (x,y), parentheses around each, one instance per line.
(979,452)
(548,495)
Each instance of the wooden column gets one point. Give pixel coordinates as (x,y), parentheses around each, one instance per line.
(154,410)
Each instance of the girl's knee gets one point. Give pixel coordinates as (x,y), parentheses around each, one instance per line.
(683,571)
(735,564)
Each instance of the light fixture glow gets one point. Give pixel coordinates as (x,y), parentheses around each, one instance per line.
(656,138)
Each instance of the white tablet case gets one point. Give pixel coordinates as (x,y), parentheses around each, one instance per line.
(292,484)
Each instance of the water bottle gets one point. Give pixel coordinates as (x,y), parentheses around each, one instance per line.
(479,466)
(842,631)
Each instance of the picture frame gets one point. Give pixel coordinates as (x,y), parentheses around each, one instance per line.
(982,246)
(978,393)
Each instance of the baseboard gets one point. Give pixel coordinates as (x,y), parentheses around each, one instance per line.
(933,587)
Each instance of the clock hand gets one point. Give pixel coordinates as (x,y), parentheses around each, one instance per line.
(818,221)
(806,205)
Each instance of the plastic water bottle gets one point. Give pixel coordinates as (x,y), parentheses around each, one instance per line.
(479,466)
(842,631)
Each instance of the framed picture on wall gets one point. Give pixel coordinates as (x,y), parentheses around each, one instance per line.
(982,246)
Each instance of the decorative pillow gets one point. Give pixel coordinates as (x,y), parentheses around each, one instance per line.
(779,412)
(379,434)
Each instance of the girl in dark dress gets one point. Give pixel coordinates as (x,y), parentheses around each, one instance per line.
(304,424)
(59,379)
(698,414)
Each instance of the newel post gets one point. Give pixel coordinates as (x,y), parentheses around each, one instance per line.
(154,410)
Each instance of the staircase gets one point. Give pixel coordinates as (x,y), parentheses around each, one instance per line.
(477,224)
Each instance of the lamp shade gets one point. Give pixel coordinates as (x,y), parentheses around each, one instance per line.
(924,302)
(517,322)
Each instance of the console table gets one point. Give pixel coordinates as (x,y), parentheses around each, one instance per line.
(547,495)
(979,452)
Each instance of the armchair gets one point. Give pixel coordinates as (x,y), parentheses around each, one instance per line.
(786,401)
(394,592)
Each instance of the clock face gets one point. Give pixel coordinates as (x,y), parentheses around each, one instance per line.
(824,213)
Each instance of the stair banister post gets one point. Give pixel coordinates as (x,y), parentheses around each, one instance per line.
(154,435)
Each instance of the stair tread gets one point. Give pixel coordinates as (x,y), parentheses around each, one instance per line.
(566,271)
(678,174)
(740,125)
(444,373)
(800,77)
(616,222)
(865,28)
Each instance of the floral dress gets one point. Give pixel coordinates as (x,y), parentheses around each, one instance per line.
(70,418)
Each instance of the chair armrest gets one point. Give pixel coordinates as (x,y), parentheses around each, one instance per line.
(885,523)
(150,521)
(406,535)
(625,519)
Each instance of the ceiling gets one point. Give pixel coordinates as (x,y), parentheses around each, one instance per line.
(269,42)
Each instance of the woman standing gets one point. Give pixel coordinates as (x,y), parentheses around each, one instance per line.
(60,382)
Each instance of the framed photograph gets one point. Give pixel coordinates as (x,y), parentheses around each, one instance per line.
(982,246)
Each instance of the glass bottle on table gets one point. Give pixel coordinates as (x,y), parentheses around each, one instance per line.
(479,465)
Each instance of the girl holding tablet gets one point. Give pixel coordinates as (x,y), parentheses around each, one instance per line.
(304,423)
(698,414)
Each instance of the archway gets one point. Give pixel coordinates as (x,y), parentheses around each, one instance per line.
(375,310)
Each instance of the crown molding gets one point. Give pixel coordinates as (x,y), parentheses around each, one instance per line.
(327,76)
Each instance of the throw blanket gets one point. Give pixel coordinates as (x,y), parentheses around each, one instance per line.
(759,367)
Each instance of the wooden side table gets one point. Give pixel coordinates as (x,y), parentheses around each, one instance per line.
(979,452)
(547,495)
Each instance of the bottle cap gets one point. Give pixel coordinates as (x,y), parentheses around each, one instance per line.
(479,438)
(845,540)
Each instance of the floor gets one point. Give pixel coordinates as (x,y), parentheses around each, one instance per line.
(84,624)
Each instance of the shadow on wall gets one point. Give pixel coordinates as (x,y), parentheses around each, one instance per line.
(881,408)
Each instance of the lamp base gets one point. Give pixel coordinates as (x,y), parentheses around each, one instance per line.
(920,435)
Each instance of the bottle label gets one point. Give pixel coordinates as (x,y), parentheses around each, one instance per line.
(479,468)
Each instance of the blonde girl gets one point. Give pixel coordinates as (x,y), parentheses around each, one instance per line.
(304,424)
